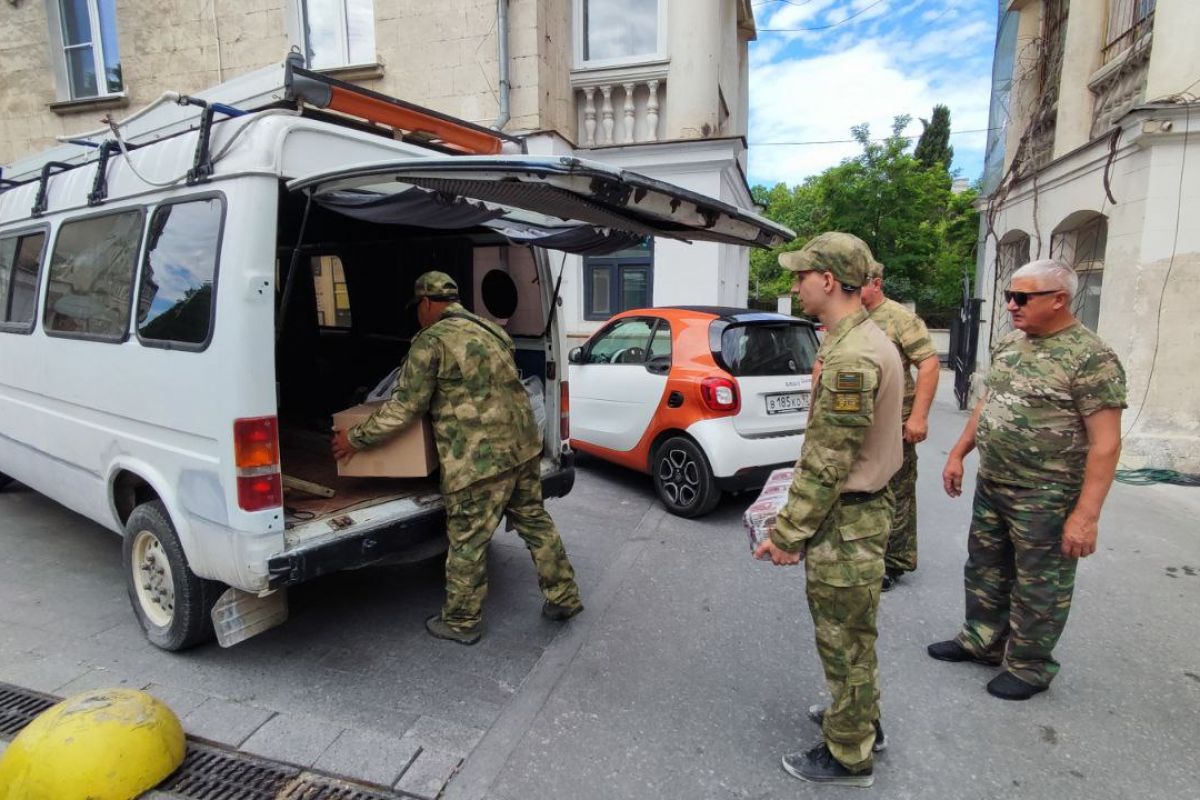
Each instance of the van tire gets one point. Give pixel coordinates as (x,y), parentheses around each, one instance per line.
(4,480)
(174,610)
(683,479)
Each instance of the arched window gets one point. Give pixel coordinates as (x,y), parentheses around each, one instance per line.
(1012,253)
(1080,240)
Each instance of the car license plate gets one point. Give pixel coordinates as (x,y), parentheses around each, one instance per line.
(787,403)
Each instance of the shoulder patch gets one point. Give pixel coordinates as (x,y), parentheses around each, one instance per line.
(849,381)
(847,403)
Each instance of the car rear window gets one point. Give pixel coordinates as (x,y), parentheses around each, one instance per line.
(768,349)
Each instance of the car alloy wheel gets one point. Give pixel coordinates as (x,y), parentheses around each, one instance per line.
(679,475)
(683,479)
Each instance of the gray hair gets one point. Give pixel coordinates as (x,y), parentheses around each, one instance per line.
(1052,272)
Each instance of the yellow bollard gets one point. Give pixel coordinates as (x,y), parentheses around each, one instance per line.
(106,744)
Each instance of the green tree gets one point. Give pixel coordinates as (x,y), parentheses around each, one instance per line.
(934,145)
(916,226)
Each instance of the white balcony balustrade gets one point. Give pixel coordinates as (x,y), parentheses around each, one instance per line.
(619,106)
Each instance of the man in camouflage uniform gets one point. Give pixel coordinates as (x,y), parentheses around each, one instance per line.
(1048,431)
(908,333)
(460,370)
(838,512)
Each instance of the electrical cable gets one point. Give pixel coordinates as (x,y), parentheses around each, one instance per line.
(852,141)
(821,27)
(1147,477)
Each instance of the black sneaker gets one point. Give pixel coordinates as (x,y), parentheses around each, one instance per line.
(817,715)
(1007,686)
(889,582)
(559,613)
(819,766)
(951,650)
(438,628)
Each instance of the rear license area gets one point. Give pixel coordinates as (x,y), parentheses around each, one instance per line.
(787,402)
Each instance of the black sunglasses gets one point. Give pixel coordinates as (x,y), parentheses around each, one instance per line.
(1021,298)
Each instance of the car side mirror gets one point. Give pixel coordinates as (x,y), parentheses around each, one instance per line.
(575,356)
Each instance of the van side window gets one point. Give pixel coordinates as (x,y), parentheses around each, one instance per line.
(333,298)
(175,295)
(91,276)
(20,267)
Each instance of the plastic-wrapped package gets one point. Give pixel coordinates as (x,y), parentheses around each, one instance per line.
(760,516)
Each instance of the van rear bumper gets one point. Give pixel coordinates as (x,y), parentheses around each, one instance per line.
(419,534)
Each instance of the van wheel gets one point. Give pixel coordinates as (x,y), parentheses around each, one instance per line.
(683,479)
(4,480)
(170,601)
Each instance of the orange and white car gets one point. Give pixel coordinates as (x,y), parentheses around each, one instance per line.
(704,399)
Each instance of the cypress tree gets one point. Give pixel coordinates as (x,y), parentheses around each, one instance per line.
(934,145)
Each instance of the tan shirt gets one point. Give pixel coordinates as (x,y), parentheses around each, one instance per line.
(882,452)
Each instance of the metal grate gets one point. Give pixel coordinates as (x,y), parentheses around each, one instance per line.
(209,772)
(19,706)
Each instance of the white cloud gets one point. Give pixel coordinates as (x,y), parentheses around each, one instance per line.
(820,97)
(903,58)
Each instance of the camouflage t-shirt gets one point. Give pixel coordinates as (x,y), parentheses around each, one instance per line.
(1039,389)
(911,338)
(460,369)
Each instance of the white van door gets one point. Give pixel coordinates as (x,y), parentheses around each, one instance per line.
(546,194)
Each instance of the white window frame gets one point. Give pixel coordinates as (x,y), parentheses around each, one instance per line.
(295,21)
(62,72)
(599,63)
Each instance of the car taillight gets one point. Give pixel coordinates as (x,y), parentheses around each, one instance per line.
(564,412)
(720,394)
(256,455)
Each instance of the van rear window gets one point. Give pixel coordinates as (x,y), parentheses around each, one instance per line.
(175,296)
(91,276)
(20,265)
(755,350)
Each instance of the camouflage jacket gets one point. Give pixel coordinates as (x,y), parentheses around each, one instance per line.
(465,377)
(859,362)
(908,332)
(1039,389)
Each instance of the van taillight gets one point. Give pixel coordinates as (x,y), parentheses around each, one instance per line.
(256,455)
(564,411)
(720,394)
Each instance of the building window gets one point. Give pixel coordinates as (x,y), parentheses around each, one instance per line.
(619,31)
(89,59)
(1081,241)
(1128,21)
(618,282)
(1012,254)
(175,298)
(335,33)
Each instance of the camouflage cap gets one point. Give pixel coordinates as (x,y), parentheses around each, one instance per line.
(845,255)
(436,286)
(876,271)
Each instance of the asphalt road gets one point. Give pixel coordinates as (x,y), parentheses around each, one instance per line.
(687,676)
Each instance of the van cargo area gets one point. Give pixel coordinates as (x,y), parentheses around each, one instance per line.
(344,327)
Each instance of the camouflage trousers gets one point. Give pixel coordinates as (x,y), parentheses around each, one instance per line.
(472,516)
(1018,582)
(902,543)
(844,621)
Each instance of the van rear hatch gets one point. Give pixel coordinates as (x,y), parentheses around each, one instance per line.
(771,356)
(562,203)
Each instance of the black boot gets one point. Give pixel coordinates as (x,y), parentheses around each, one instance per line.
(1007,686)
(819,766)
(817,715)
(890,578)
(951,650)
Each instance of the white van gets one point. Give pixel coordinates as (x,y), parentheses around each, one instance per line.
(182,310)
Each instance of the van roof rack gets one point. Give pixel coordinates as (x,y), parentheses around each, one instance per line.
(284,85)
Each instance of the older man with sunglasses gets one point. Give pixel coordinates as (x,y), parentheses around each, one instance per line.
(1048,431)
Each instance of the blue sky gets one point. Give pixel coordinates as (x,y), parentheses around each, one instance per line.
(873,60)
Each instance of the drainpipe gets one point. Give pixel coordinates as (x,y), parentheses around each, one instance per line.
(502,36)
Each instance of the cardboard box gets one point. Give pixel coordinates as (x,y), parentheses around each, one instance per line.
(409,454)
